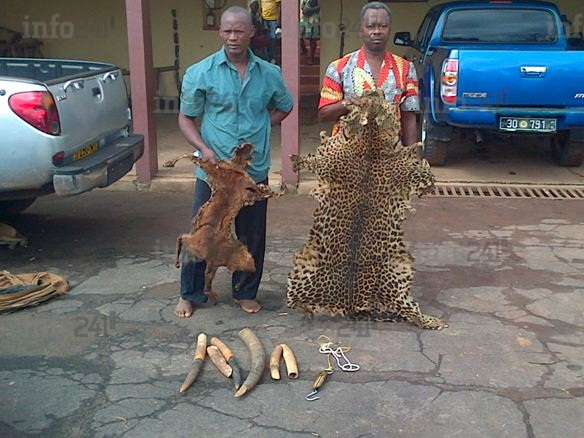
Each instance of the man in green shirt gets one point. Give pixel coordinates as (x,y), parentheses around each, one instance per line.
(238,97)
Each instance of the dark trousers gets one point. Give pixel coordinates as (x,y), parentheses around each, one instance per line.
(271,25)
(250,227)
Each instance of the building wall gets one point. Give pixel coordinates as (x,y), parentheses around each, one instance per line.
(195,43)
(107,39)
(69,38)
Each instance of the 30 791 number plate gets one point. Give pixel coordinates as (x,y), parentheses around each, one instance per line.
(527,124)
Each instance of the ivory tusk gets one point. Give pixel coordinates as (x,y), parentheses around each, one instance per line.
(192,375)
(236,373)
(290,361)
(257,353)
(275,362)
(219,361)
(197,364)
(224,349)
(230,358)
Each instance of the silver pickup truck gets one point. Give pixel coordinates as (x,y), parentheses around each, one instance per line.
(65,128)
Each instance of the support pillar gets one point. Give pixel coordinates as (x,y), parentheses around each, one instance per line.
(142,84)
(291,72)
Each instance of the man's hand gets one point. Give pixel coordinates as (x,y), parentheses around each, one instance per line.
(191,132)
(354,100)
(331,113)
(208,155)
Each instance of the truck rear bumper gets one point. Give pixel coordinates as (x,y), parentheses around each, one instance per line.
(488,118)
(101,169)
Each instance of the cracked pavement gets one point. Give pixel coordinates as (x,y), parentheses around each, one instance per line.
(106,360)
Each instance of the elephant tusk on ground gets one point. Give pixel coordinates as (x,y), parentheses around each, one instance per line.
(197,364)
(230,358)
(275,362)
(290,361)
(219,361)
(257,353)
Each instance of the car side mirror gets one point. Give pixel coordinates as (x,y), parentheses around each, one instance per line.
(402,39)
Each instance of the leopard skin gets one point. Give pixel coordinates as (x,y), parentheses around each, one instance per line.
(355,262)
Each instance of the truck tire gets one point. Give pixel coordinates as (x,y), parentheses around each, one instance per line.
(567,152)
(13,207)
(435,151)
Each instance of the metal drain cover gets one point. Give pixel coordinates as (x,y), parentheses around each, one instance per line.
(507,191)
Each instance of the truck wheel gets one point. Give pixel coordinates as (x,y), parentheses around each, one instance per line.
(566,152)
(12,207)
(435,151)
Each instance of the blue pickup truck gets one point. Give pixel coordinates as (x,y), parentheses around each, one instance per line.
(503,66)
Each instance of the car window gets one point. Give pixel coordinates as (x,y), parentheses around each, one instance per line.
(431,25)
(422,32)
(500,26)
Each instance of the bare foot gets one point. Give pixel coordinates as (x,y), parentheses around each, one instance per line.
(249,306)
(184,308)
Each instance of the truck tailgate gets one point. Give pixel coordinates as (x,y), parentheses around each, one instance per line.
(521,78)
(91,107)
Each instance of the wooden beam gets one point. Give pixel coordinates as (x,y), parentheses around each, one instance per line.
(291,72)
(142,84)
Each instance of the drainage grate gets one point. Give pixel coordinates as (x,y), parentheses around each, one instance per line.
(508,191)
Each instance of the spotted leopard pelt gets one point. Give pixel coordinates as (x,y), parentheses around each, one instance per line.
(355,262)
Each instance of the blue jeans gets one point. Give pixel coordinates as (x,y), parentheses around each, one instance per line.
(271,25)
(250,227)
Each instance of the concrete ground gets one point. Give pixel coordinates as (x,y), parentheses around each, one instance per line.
(106,360)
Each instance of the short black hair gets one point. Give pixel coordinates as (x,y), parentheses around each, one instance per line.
(375,5)
(237,10)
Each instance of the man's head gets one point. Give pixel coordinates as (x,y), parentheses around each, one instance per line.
(236,30)
(375,26)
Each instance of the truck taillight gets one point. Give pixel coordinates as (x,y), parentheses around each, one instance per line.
(38,109)
(449,82)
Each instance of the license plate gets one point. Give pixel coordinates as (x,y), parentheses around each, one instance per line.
(527,124)
(85,152)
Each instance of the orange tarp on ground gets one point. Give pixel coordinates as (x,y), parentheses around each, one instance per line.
(17,291)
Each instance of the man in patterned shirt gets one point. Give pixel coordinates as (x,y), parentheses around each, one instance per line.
(369,68)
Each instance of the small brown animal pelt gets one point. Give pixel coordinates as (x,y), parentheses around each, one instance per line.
(211,238)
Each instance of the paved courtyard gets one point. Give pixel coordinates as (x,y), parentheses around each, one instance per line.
(106,360)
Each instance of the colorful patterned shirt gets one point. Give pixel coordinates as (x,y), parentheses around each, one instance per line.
(351,76)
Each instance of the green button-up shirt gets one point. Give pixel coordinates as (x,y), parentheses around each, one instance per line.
(235,111)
